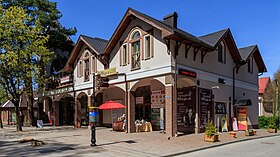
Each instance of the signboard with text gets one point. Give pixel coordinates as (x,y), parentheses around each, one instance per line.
(205,107)
(186,109)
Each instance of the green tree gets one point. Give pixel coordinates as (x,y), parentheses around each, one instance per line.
(21,47)
(47,14)
(271,93)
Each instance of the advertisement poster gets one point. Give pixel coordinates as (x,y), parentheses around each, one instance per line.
(224,123)
(242,118)
(205,107)
(186,110)
(157,108)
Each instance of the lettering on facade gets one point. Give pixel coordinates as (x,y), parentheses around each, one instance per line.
(57,91)
(187,73)
(107,72)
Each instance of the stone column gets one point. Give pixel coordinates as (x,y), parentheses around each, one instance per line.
(170,115)
(131,112)
(77,115)
(56,113)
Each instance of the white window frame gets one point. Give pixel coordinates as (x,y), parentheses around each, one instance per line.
(223,53)
(124,60)
(132,41)
(92,64)
(145,50)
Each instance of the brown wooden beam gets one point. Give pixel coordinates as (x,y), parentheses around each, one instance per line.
(187,49)
(167,42)
(203,53)
(195,51)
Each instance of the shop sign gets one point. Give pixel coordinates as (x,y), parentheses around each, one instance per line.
(139,100)
(107,72)
(161,123)
(242,118)
(65,79)
(206,107)
(57,91)
(224,123)
(157,105)
(187,73)
(186,109)
(157,98)
(220,108)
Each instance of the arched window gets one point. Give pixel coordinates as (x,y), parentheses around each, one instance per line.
(86,67)
(135,50)
(135,35)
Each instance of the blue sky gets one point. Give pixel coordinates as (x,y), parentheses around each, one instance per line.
(251,21)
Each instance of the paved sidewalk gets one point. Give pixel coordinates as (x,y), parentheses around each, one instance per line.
(67,141)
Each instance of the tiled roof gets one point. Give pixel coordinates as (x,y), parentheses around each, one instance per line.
(262,84)
(213,38)
(8,104)
(177,31)
(246,51)
(97,43)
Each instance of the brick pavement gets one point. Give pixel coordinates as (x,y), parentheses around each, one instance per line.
(67,141)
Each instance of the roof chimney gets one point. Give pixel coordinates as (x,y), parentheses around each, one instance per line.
(171,19)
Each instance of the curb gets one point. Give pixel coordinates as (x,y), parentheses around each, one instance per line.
(217,145)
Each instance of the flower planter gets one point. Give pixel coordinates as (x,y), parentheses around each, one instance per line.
(249,133)
(255,132)
(233,134)
(272,130)
(213,138)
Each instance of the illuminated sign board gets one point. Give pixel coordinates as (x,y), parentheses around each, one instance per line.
(187,73)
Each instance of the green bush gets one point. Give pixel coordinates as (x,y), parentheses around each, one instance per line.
(265,122)
(210,129)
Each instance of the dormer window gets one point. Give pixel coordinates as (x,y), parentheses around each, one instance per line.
(250,65)
(222,53)
(135,50)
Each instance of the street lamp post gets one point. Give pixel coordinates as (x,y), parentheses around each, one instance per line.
(93,138)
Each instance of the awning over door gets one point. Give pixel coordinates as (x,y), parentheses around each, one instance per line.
(244,102)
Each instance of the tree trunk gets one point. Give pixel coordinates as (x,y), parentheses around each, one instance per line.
(1,124)
(18,118)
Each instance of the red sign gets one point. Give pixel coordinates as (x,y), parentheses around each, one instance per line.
(187,73)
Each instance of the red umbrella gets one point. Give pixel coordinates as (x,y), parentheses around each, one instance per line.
(109,105)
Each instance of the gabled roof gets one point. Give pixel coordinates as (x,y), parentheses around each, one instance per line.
(96,45)
(8,104)
(167,30)
(214,38)
(247,52)
(263,82)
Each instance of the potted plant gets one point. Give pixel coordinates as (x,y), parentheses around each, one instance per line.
(272,126)
(211,133)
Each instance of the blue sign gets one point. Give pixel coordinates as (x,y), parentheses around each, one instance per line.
(94,116)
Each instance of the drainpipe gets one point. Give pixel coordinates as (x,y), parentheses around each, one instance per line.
(234,70)
(126,100)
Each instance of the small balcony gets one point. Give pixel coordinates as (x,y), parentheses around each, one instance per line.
(59,80)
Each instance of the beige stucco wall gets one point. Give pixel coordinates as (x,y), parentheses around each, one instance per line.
(79,82)
(159,64)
